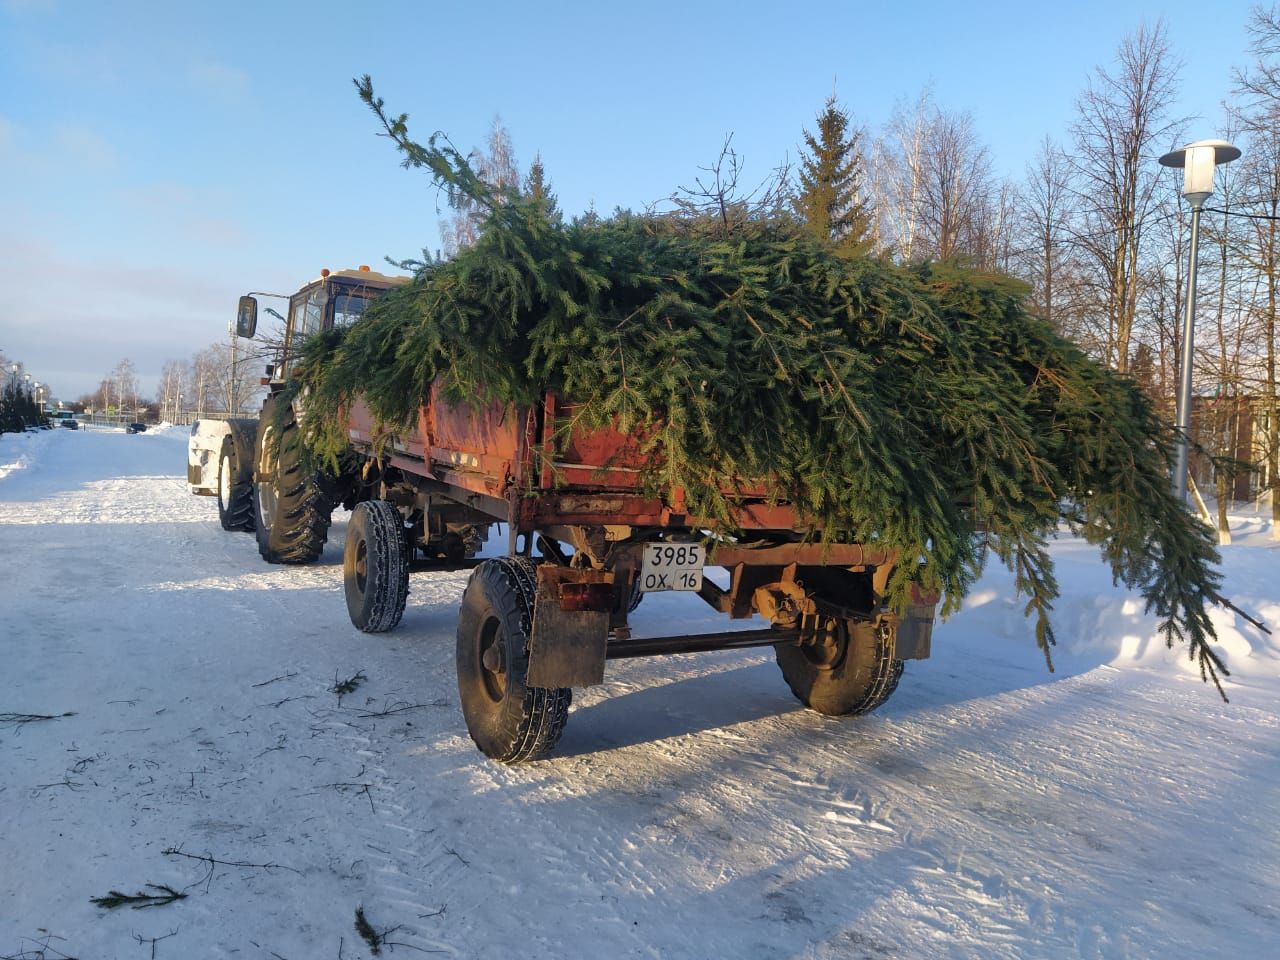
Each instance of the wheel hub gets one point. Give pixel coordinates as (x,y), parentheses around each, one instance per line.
(827,646)
(493,659)
(362,566)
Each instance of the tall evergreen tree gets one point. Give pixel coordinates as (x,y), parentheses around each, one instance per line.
(830,198)
(537,187)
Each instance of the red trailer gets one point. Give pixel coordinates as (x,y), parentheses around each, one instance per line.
(586,542)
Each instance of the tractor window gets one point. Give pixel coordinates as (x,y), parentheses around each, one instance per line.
(297,315)
(348,308)
(312,318)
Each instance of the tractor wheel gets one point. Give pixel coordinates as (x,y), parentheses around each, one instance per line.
(235,490)
(292,508)
(509,721)
(375,566)
(853,674)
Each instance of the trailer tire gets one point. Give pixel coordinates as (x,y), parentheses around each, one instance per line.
(857,676)
(235,489)
(375,566)
(509,721)
(292,508)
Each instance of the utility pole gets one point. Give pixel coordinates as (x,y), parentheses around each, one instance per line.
(233,394)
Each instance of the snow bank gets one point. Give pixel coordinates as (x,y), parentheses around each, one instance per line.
(1097,622)
(18,451)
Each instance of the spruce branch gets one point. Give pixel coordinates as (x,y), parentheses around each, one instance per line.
(141,900)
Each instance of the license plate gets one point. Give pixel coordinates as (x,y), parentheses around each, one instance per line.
(672,566)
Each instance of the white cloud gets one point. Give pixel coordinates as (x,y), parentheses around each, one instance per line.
(185,213)
(29,6)
(218,81)
(44,153)
(72,319)
(85,148)
(95,65)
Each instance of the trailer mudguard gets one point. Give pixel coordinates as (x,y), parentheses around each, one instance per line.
(570,632)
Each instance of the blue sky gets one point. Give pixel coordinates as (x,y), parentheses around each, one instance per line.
(159,159)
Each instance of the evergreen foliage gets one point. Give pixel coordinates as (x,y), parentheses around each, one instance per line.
(18,407)
(829,199)
(921,408)
(537,187)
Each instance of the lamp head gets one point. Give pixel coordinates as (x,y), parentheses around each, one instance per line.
(1198,161)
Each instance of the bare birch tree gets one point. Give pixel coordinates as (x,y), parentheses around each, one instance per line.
(1258,94)
(1123,124)
(497,166)
(955,183)
(1045,213)
(898,175)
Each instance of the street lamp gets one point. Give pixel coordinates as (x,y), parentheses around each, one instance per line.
(1198,161)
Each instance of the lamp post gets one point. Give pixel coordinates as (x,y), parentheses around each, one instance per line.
(1198,161)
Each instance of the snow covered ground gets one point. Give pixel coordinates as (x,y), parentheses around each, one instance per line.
(1116,808)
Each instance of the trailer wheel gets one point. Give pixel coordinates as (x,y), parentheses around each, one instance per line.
(292,508)
(509,721)
(375,566)
(235,490)
(851,676)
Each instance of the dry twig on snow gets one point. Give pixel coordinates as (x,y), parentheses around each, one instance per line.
(18,719)
(154,940)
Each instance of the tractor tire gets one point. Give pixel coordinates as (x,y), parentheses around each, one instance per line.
(235,490)
(509,721)
(375,566)
(854,676)
(292,508)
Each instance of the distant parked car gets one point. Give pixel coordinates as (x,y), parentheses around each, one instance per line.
(136,428)
(69,423)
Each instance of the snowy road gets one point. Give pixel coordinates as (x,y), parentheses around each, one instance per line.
(1116,808)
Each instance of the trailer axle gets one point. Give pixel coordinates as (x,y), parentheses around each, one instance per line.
(697,643)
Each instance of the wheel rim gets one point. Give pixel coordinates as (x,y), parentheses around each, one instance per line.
(491,643)
(264,489)
(224,481)
(828,655)
(266,504)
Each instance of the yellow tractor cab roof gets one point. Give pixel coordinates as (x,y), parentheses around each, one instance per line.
(362,275)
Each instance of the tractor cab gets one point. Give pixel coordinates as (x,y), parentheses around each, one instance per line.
(335,299)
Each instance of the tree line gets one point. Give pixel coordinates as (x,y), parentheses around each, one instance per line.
(1097,228)
(20,397)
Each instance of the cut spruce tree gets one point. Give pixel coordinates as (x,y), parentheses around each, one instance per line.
(915,407)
